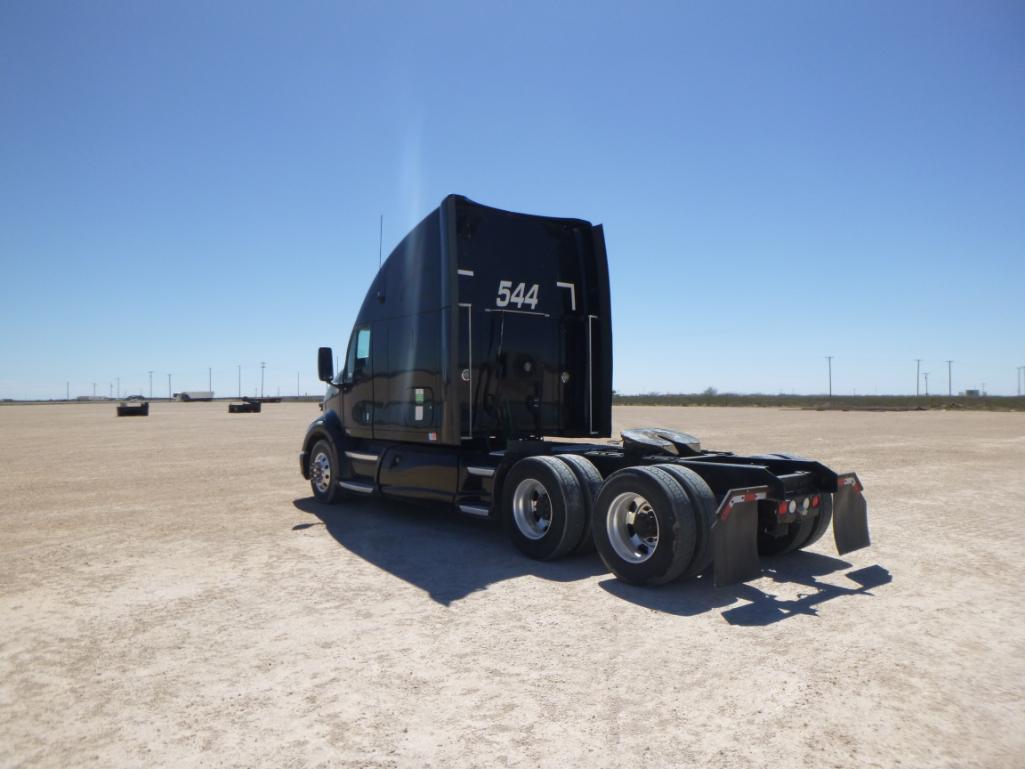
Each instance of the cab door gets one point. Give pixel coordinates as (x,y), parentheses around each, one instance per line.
(357,385)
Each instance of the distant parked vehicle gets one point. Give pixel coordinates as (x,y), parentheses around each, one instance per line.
(194,395)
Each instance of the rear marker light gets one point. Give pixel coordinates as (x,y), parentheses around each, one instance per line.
(815,501)
(782,508)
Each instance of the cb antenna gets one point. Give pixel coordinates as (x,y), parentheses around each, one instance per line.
(380,242)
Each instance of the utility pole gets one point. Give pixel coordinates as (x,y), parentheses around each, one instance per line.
(67,391)
(94,390)
(262,365)
(926,375)
(239,380)
(918,376)
(1021,376)
(151,384)
(169,386)
(111,391)
(119,387)
(296,384)
(829,360)
(210,380)
(950,387)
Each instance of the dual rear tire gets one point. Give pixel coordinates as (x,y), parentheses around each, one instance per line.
(650,525)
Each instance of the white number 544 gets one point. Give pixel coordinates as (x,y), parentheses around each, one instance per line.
(520,295)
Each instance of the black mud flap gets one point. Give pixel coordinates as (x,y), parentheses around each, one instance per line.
(850,515)
(735,536)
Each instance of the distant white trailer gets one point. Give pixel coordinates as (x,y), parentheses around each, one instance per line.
(195,395)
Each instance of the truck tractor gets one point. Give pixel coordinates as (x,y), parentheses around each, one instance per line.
(479,374)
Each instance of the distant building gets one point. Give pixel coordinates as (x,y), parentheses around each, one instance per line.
(972,393)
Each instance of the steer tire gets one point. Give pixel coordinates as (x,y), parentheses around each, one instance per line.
(703,501)
(668,504)
(590,483)
(325,489)
(543,507)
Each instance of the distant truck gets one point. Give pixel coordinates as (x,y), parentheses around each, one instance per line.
(483,344)
(194,395)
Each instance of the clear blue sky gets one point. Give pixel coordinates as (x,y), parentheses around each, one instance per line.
(186,184)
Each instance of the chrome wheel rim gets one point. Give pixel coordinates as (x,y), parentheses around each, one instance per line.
(320,472)
(632,527)
(532,508)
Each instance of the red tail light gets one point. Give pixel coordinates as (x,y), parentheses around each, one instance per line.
(815,501)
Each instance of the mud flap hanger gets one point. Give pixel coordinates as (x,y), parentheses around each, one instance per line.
(735,529)
(735,536)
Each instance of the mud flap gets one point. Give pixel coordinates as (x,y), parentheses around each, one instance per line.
(850,515)
(735,536)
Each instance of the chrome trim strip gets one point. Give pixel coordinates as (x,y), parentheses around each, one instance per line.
(362,488)
(590,376)
(484,472)
(469,367)
(360,456)
(483,512)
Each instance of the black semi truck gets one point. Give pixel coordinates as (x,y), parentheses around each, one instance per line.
(484,345)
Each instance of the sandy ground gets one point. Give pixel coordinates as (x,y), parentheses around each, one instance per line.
(171,597)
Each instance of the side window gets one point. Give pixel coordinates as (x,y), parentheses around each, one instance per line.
(358,356)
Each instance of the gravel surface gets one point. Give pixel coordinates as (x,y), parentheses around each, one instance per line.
(172,597)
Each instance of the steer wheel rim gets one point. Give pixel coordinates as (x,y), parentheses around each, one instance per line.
(320,472)
(532,508)
(632,527)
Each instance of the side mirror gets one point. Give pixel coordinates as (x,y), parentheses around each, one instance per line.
(325,364)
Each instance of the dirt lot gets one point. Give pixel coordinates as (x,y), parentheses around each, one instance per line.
(171,597)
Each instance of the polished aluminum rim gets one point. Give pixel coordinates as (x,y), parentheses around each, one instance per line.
(632,527)
(320,472)
(532,508)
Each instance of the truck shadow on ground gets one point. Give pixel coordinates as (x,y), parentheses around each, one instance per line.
(449,556)
(443,553)
(762,608)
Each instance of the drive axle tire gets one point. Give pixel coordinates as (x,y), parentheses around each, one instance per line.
(822,521)
(796,534)
(643,525)
(703,501)
(324,473)
(543,507)
(590,483)
(801,532)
